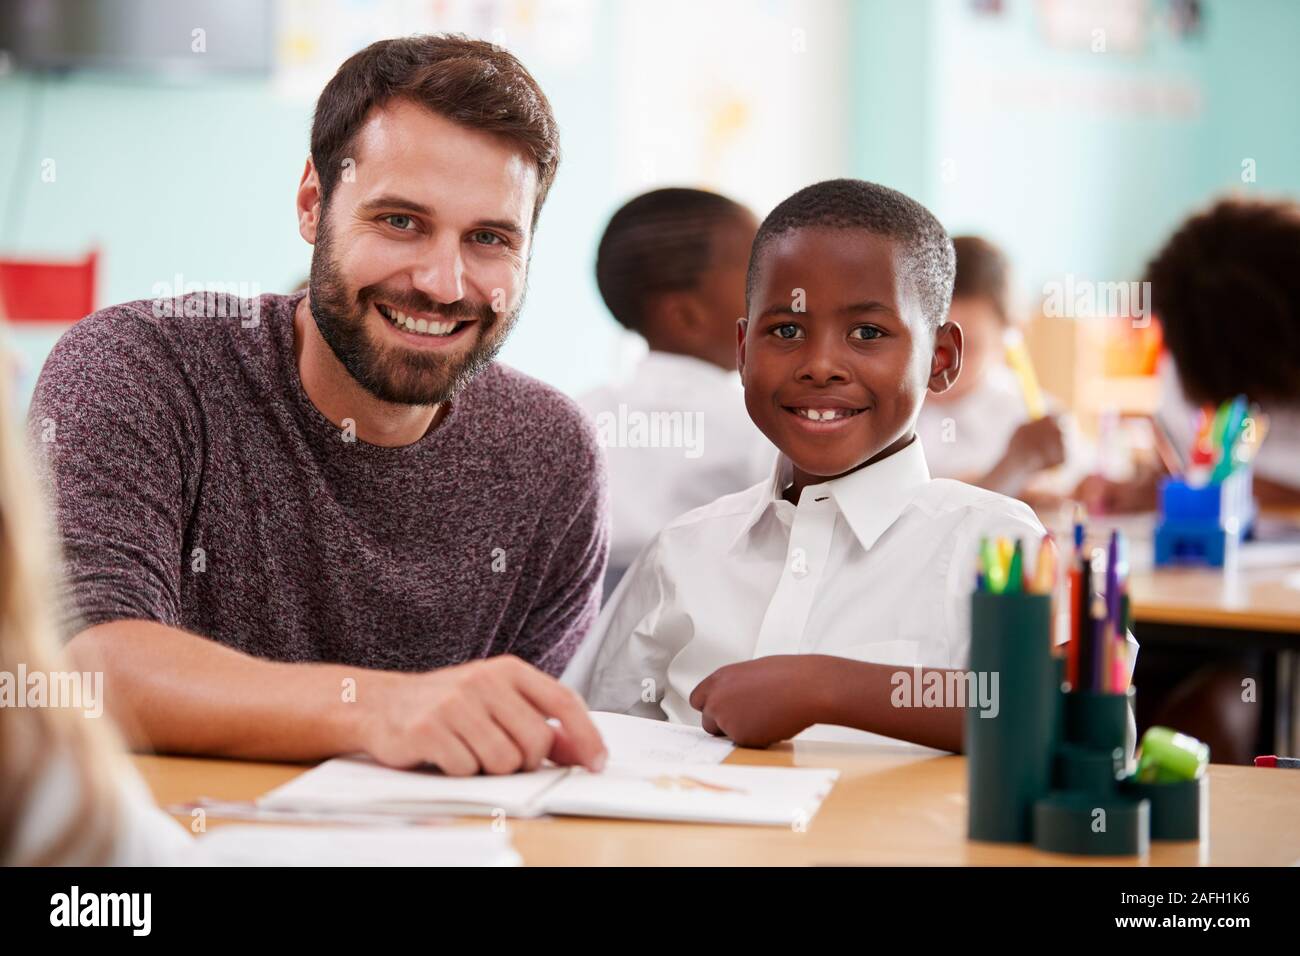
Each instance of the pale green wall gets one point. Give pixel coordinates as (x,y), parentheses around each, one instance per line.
(1084,192)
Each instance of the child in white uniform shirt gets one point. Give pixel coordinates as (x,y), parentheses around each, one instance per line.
(1225,288)
(794,603)
(980,430)
(671,267)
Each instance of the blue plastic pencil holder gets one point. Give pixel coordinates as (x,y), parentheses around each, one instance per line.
(1198,525)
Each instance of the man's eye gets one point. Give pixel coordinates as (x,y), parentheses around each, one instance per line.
(868,332)
(786,330)
(399,221)
(485,238)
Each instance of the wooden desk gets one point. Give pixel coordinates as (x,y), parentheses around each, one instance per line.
(1255,599)
(1257,596)
(887,809)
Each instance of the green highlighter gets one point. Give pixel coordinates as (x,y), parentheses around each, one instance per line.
(995,572)
(1171,757)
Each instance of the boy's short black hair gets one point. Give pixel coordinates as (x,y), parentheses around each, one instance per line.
(856,204)
(1226,289)
(661,241)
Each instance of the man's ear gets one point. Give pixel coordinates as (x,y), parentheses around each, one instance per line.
(945,363)
(308,201)
(742,324)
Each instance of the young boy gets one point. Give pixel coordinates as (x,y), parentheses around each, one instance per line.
(671,267)
(795,603)
(980,430)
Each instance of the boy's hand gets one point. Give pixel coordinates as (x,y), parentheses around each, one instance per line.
(1102,496)
(759,702)
(1037,445)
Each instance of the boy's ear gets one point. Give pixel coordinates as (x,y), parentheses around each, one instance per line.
(945,363)
(742,324)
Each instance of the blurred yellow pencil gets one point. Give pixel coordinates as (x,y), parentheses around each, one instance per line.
(1020,364)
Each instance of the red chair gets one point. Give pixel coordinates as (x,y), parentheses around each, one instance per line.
(35,291)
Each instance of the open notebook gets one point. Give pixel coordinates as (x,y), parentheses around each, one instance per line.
(656,771)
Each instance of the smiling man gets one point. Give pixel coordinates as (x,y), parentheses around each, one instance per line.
(343,527)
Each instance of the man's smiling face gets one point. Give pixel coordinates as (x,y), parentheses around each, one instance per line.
(421,256)
(839,384)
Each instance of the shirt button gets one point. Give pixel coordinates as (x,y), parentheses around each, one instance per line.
(799,563)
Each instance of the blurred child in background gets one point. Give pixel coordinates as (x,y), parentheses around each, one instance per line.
(671,267)
(1226,290)
(981,431)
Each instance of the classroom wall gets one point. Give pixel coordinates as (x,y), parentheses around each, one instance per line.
(1076,161)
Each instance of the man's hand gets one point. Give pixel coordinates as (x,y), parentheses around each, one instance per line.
(759,702)
(489,716)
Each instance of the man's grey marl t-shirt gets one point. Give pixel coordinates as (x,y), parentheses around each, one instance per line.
(196,485)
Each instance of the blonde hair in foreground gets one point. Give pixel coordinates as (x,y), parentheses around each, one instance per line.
(32,739)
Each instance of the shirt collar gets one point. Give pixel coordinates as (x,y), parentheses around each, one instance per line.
(870,499)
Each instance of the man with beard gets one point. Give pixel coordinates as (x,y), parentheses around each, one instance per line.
(297,526)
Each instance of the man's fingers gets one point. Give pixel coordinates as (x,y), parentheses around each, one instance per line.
(711,725)
(563,751)
(449,753)
(582,740)
(525,724)
(495,751)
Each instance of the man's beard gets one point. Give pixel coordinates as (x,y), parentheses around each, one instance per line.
(390,373)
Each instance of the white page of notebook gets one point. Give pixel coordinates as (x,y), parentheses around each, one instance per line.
(634,739)
(358,783)
(770,796)
(355,846)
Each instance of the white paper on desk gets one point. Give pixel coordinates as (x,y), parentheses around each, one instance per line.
(347,846)
(359,784)
(632,739)
(762,796)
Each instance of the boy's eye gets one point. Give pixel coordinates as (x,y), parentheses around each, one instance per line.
(786,330)
(868,332)
(485,238)
(398,221)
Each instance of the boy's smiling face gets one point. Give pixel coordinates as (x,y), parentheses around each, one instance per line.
(838,385)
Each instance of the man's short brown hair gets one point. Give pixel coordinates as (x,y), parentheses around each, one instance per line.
(471,82)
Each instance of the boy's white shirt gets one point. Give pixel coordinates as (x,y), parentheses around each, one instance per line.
(877,566)
(649,487)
